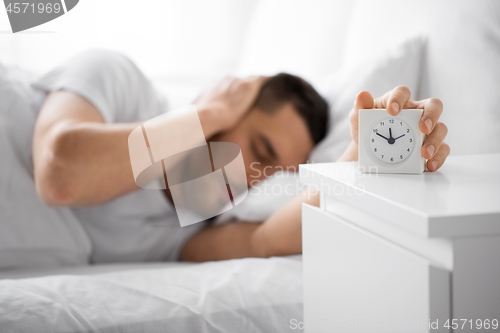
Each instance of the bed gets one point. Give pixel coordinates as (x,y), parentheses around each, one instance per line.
(245,295)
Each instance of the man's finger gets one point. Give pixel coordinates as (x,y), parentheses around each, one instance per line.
(253,84)
(433,108)
(395,100)
(438,160)
(433,142)
(256,80)
(364,100)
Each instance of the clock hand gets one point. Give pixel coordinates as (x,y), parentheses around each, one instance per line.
(399,137)
(391,139)
(382,136)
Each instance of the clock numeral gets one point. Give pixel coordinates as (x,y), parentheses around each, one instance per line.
(401,123)
(408,149)
(381,123)
(407,130)
(392,159)
(400,157)
(375,149)
(375,130)
(382,156)
(373,140)
(411,140)
(391,121)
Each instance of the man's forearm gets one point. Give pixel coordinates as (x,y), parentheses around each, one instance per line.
(281,234)
(86,163)
(228,241)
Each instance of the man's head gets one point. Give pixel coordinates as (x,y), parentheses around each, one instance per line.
(287,119)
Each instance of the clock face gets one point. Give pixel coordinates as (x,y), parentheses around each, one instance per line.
(391,140)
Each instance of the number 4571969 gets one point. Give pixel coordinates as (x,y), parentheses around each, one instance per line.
(26,7)
(460,324)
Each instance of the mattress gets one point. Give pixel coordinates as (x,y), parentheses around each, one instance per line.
(243,295)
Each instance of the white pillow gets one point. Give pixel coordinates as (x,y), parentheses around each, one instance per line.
(265,198)
(400,66)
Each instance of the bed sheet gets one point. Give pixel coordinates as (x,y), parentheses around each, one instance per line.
(244,295)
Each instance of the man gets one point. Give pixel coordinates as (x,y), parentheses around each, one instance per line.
(81,160)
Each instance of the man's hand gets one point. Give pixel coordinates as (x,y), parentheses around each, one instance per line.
(223,107)
(433,149)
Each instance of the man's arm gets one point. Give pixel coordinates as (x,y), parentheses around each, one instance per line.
(280,234)
(78,159)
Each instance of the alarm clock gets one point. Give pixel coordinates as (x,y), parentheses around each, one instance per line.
(390,144)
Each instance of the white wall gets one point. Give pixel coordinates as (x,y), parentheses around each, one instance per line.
(192,38)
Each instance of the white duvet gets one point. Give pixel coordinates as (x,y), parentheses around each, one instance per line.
(245,295)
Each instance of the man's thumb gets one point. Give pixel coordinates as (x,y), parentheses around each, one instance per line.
(364,100)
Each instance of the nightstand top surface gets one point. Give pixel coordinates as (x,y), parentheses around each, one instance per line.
(462,198)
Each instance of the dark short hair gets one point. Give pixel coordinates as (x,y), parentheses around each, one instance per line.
(286,88)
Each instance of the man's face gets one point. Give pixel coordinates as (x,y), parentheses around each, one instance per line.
(270,142)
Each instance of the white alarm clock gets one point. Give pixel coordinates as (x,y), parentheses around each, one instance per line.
(390,144)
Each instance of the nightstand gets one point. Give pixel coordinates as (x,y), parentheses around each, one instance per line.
(403,253)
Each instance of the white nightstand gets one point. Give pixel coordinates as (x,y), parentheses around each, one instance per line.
(394,253)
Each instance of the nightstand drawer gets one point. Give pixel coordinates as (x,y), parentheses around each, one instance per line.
(355,281)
